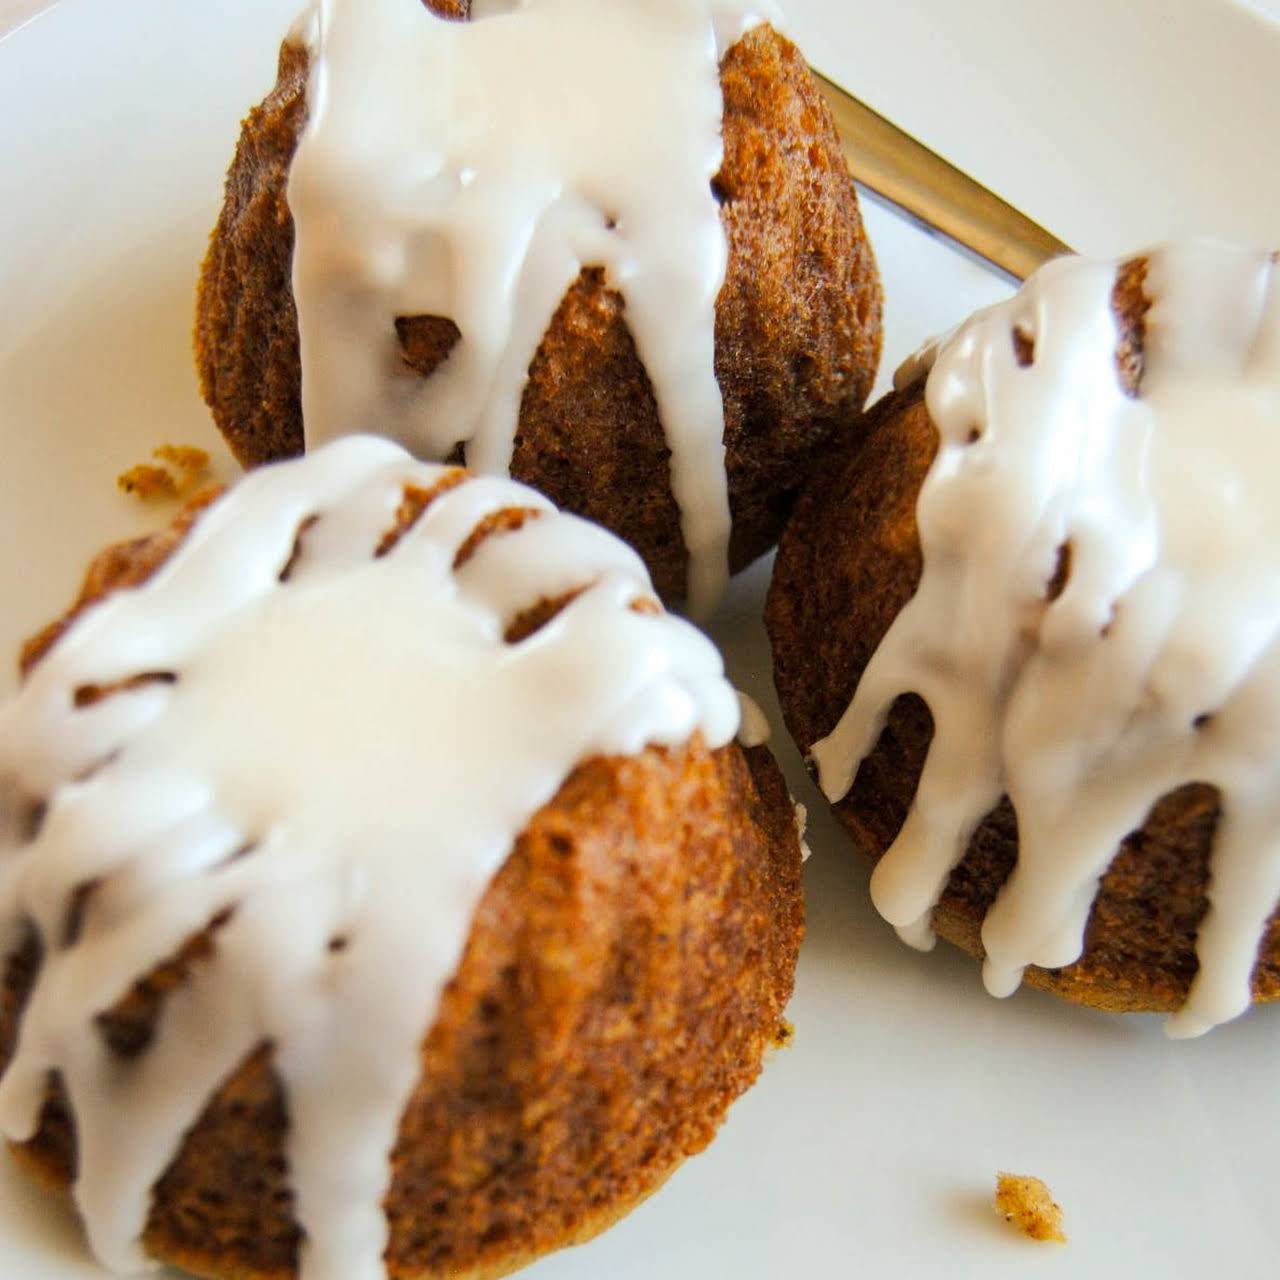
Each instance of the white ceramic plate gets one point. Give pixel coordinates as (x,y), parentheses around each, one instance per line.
(871,1146)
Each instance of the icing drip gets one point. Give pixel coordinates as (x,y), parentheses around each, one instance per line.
(802,830)
(332,769)
(1157,665)
(471,170)
(754,728)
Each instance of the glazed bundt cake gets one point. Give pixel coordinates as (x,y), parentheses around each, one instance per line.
(1029,636)
(552,242)
(383,890)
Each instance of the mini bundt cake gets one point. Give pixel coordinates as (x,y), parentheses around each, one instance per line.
(383,890)
(1028,636)
(572,254)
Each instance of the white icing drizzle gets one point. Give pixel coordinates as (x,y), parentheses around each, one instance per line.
(802,830)
(1088,708)
(471,170)
(754,728)
(369,744)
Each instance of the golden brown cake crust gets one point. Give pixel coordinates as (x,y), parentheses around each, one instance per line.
(797,322)
(625,973)
(848,563)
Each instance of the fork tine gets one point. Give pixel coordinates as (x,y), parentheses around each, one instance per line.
(904,172)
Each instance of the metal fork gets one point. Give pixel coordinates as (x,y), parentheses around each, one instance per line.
(905,173)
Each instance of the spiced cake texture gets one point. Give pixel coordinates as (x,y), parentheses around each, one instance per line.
(797,321)
(626,972)
(848,563)
(1028,1204)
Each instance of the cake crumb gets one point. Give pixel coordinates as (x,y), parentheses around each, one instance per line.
(186,458)
(785,1034)
(1026,1202)
(184,466)
(148,483)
